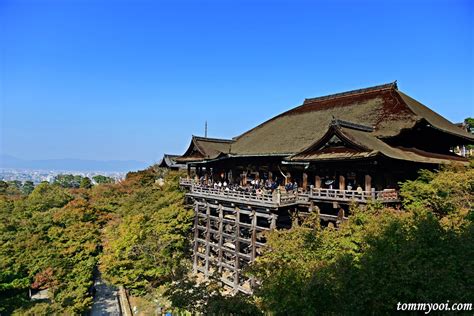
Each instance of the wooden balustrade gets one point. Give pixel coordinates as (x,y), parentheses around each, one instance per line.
(273,199)
(278,198)
(388,195)
(186,182)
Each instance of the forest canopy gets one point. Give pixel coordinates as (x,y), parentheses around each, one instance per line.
(138,233)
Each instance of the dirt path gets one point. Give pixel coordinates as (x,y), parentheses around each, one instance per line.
(105,300)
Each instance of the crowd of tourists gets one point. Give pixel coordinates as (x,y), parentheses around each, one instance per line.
(255,186)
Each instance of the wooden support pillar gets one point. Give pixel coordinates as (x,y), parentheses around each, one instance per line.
(196,235)
(208,240)
(244,179)
(273,224)
(253,243)
(196,174)
(305,181)
(270,175)
(288,178)
(237,250)
(368,183)
(188,171)
(342,182)
(254,235)
(340,214)
(230,176)
(295,218)
(221,226)
(317,182)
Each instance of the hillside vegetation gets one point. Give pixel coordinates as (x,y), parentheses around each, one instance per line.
(138,234)
(135,231)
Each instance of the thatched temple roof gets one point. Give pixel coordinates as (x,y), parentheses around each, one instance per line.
(386,110)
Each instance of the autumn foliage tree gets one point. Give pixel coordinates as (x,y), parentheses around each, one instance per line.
(380,256)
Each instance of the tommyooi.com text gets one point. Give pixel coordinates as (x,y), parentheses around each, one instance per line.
(429,307)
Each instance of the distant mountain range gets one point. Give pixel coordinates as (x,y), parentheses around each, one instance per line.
(7,161)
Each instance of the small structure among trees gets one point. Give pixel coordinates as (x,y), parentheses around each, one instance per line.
(169,162)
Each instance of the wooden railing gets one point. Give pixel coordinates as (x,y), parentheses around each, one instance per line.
(274,199)
(278,198)
(186,181)
(386,196)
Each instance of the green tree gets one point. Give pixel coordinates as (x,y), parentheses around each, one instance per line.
(86,183)
(3,187)
(148,242)
(12,187)
(470,123)
(68,180)
(28,187)
(379,256)
(15,184)
(44,197)
(100,179)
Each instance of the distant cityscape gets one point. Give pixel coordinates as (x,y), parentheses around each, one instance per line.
(38,176)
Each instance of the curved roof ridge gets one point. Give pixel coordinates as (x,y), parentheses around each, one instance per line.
(386,86)
(434,119)
(209,139)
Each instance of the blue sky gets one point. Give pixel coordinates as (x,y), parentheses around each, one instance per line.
(133,79)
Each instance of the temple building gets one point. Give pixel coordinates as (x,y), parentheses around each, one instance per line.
(169,162)
(329,152)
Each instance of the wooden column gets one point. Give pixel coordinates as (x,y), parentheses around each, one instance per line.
(253,243)
(237,250)
(254,235)
(270,175)
(368,183)
(288,178)
(196,235)
(196,173)
(221,226)
(305,181)
(317,182)
(188,171)
(208,240)
(342,182)
(273,224)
